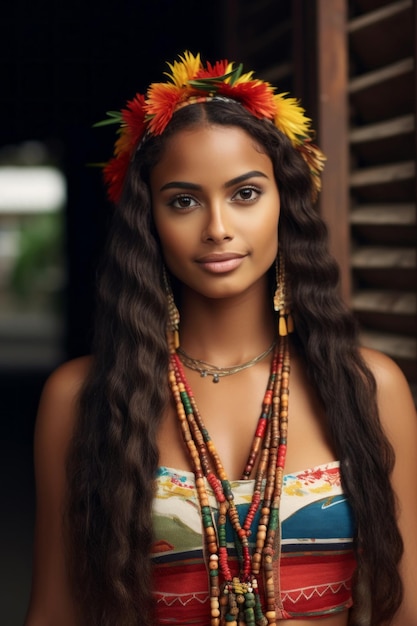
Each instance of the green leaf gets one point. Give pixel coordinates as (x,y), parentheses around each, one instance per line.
(237,73)
(114,117)
(115,114)
(207,83)
(202,86)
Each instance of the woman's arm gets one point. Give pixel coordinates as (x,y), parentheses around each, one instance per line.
(50,602)
(399,420)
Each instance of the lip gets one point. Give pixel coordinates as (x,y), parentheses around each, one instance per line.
(219,263)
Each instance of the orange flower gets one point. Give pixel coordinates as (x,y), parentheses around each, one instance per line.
(162,100)
(123,142)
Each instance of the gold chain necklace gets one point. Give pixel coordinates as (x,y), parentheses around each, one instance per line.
(207,369)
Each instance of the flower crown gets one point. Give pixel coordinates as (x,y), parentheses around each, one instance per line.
(189,82)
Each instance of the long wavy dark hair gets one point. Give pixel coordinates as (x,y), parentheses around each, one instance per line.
(114,456)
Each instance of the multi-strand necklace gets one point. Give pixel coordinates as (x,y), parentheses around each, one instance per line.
(236,599)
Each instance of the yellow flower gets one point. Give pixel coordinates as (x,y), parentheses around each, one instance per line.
(184,70)
(243,78)
(290,119)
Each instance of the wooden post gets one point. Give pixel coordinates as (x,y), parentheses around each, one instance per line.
(332,118)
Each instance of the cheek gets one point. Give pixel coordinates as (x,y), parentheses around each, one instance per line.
(267,235)
(268,245)
(269,250)
(173,243)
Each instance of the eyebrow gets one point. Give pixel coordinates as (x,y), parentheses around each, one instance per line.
(234,181)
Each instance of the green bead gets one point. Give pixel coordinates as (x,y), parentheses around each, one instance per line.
(258,609)
(274,519)
(227,489)
(187,406)
(206,516)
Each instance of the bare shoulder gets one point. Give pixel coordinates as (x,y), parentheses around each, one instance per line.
(395,402)
(59,398)
(384,368)
(392,386)
(56,420)
(66,381)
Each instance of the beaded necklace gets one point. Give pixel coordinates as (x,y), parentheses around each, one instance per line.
(236,599)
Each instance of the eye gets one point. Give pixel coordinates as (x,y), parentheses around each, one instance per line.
(183,201)
(247,194)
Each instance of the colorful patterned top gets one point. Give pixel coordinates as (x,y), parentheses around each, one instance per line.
(317,545)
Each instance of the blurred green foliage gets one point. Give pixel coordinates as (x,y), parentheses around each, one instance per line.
(38,267)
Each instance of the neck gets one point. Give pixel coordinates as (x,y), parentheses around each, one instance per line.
(227,331)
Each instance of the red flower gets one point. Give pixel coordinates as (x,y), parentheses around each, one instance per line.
(114,175)
(220,68)
(256,96)
(134,117)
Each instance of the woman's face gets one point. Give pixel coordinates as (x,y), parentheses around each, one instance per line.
(216,208)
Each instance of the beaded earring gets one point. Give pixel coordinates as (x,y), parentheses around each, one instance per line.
(281,299)
(173,313)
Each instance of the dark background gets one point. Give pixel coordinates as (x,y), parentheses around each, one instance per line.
(62,65)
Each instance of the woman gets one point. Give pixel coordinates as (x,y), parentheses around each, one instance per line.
(166,499)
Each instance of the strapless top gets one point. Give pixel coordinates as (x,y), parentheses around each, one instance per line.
(317,560)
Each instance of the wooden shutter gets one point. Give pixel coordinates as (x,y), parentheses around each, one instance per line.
(382,145)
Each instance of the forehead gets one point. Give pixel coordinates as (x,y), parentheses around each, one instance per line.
(210,152)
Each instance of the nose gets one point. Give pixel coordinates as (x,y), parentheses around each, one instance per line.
(218,225)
